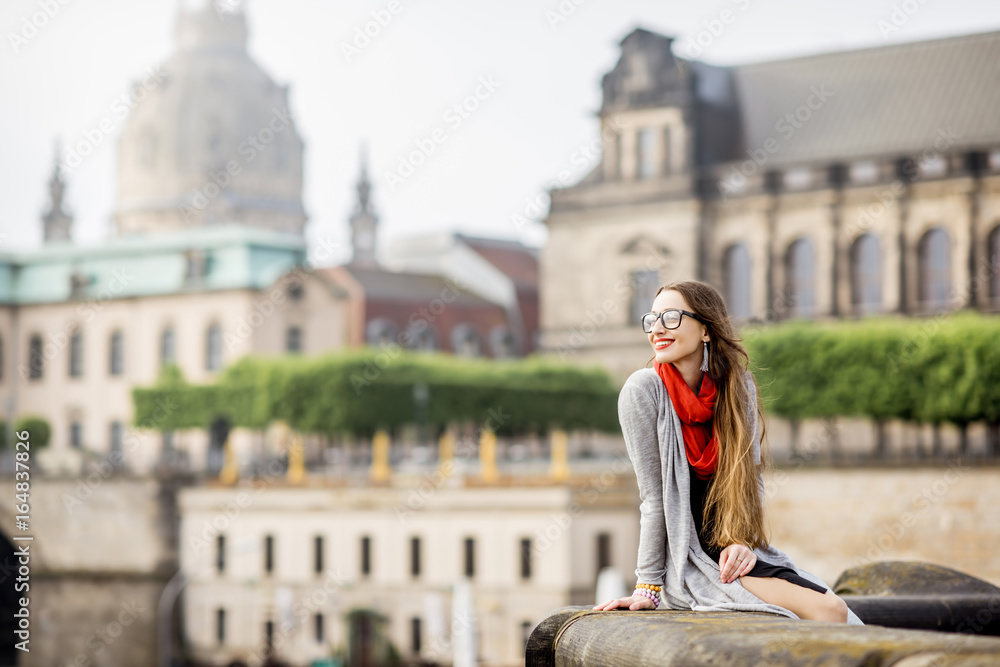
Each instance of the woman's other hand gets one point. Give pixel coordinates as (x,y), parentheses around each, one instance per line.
(634,603)
(735,561)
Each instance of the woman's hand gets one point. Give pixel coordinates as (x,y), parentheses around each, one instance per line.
(735,561)
(633,603)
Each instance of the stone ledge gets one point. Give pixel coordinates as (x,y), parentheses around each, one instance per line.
(900,602)
(582,636)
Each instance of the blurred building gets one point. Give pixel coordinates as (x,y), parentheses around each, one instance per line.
(448,291)
(207,263)
(830,186)
(299,574)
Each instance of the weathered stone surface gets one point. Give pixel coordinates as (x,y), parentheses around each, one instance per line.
(921,596)
(581,636)
(909,578)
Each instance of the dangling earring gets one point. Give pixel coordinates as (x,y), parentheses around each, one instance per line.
(704,358)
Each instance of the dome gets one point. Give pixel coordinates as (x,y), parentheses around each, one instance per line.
(209,138)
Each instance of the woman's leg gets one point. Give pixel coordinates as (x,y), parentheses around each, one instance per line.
(805,602)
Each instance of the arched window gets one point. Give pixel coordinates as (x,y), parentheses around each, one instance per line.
(465,340)
(501,342)
(167,347)
(935,269)
(293,339)
(993,263)
(736,281)
(420,336)
(117,354)
(866,274)
(76,354)
(36,359)
(380,332)
(213,348)
(800,279)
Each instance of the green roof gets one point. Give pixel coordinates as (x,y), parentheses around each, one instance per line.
(236,257)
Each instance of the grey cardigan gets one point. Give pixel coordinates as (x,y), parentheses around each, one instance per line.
(669,552)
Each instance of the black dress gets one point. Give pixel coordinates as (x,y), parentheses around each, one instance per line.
(699,491)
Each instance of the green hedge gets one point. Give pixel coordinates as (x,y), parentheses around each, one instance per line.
(359,391)
(940,369)
(38,428)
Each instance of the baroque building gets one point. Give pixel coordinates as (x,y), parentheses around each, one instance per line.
(214,141)
(830,186)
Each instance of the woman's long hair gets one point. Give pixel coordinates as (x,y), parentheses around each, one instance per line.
(734,509)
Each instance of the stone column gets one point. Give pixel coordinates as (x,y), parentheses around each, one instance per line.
(488,455)
(380,456)
(836,221)
(904,262)
(771,312)
(975,208)
(559,469)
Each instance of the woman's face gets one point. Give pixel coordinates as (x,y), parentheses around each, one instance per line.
(673,345)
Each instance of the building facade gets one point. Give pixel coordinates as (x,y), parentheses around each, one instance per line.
(443,569)
(829,186)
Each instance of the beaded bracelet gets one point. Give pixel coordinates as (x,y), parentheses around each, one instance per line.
(652,587)
(646,593)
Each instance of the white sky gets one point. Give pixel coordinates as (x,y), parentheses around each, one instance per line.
(64,80)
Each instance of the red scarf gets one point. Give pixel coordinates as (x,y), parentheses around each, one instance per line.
(695,413)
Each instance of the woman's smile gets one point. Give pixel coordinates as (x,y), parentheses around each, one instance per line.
(662,343)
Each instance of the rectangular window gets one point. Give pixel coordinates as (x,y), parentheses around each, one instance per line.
(220,625)
(646,158)
(213,348)
(415,635)
(167,355)
(293,339)
(415,556)
(318,620)
(75,434)
(603,551)
(526,628)
(220,554)
(269,554)
(318,555)
(526,559)
(36,360)
(76,355)
(117,429)
(117,354)
(470,557)
(168,442)
(269,634)
(366,555)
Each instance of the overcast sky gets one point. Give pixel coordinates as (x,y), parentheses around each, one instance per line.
(546,63)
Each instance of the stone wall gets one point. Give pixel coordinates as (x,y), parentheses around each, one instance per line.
(828,520)
(101,555)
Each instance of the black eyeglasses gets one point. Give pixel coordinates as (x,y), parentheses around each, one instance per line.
(670,319)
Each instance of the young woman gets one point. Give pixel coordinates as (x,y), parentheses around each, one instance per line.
(691,428)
